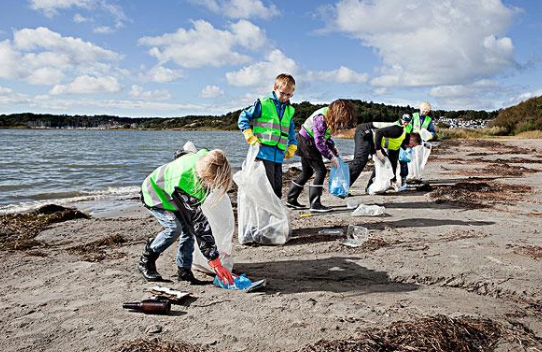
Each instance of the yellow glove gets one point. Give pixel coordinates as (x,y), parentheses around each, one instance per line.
(250,137)
(290,152)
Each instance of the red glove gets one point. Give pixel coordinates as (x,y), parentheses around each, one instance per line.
(223,274)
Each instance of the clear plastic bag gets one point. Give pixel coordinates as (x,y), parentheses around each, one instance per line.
(383,176)
(420,155)
(339,180)
(262,217)
(222,221)
(368,210)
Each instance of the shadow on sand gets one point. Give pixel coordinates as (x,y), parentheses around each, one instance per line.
(334,274)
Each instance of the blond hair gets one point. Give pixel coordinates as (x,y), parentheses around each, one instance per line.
(425,108)
(214,171)
(340,115)
(285,80)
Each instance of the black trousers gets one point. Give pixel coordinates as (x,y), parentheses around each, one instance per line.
(311,163)
(363,147)
(274,175)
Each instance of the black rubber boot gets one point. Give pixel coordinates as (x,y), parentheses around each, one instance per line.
(147,263)
(187,275)
(293,193)
(315,193)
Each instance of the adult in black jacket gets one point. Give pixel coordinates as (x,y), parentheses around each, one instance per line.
(368,141)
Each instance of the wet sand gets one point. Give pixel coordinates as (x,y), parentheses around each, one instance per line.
(470,246)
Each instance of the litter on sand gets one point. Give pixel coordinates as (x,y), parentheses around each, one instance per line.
(334,232)
(356,236)
(241,283)
(368,210)
(174,296)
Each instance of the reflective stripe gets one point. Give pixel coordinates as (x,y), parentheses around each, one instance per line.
(269,128)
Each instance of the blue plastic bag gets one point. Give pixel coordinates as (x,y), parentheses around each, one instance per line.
(240,283)
(405,155)
(339,180)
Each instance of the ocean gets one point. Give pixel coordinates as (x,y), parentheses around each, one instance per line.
(70,167)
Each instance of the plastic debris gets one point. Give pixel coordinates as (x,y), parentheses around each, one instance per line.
(352,203)
(356,236)
(335,232)
(368,210)
(241,283)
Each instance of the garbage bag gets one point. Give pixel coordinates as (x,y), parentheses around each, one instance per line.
(420,154)
(405,155)
(383,176)
(262,217)
(220,216)
(339,180)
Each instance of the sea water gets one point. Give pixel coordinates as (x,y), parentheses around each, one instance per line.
(69,167)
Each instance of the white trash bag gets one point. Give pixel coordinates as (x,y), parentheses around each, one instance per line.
(420,154)
(383,176)
(262,217)
(222,221)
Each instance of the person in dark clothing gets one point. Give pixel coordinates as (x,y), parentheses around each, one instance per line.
(384,142)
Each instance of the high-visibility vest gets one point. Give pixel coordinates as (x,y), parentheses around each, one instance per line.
(158,187)
(393,143)
(415,126)
(270,128)
(308,125)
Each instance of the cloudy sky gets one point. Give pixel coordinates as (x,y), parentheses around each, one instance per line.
(178,57)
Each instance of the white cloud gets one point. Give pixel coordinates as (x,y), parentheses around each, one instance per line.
(262,74)
(240,8)
(46,76)
(423,43)
(78,18)
(41,56)
(159,94)
(525,96)
(8,96)
(51,8)
(483,94)
(341,75)
(162,74)
(205,45)
(211,92)
(88,85)
(103,30)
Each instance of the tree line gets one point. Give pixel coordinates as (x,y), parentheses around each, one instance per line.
(365,112)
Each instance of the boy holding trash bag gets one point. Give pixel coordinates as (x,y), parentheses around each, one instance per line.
(314,140)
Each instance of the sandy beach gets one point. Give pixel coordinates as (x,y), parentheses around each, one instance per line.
(468,245)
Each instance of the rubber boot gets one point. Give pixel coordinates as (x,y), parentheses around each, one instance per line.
(315,193)
(147,263)
(184,274)
(293,193)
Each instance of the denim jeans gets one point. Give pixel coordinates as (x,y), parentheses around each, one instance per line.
(173,228)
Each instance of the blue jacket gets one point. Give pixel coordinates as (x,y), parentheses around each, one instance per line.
(267,152)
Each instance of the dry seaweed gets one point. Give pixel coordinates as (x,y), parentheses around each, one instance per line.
(17,231)
(436,334)
(156,345)
(534,252)
(473,195)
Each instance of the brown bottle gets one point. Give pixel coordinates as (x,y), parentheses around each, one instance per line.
(150,306)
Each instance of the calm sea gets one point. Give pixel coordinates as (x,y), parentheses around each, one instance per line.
(71,166)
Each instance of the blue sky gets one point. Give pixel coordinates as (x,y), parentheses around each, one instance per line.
(176,57)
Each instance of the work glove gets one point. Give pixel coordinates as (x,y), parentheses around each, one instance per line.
(335,161)
(223,274)
(335,151)
(380,155)
(290,152)
(250,137)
